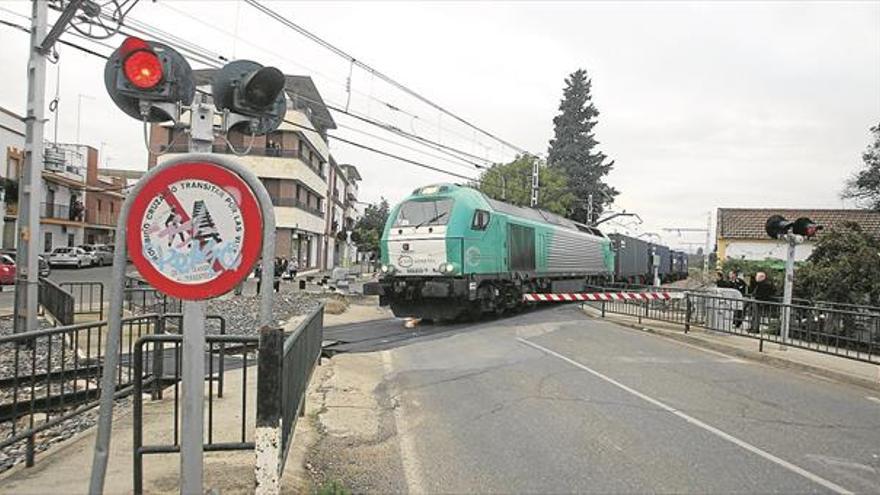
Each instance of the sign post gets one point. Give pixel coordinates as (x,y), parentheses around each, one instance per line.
(194,227)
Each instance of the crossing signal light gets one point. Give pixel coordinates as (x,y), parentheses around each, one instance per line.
(147,79)
(805,227)
(140,64)
(247,88)
(777,226)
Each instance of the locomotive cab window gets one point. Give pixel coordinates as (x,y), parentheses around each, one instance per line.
(416,213)
(481,220)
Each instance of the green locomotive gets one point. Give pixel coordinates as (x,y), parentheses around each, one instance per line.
(449,250)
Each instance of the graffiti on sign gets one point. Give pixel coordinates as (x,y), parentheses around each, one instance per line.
(195,228)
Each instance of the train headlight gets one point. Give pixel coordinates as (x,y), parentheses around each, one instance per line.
(447,268)
(387,269)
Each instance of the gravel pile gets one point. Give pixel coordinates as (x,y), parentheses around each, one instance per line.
(242,313)
(39,355)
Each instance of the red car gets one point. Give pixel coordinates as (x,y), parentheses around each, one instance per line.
(7,270)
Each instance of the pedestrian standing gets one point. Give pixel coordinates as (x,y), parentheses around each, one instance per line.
(763,293)
(276,275)
(735,282)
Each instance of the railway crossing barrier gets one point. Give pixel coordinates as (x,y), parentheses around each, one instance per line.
(602,296)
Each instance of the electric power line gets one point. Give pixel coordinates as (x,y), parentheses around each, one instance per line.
(337,138)
(351,59)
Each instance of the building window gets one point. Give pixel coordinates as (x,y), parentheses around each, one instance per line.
(71,240)
(99,206)
(111,207)
(47,242)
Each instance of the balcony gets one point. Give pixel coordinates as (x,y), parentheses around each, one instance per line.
(95,217)
(70,213)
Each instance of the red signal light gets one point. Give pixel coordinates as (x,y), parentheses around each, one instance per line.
(140,64)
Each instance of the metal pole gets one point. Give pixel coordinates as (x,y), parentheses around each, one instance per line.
(590,209)
(193,401)
(535,170)
(27,278)
(789,282)
(193,371)
(708,246)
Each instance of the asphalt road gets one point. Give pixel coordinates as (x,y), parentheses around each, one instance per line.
(554,402)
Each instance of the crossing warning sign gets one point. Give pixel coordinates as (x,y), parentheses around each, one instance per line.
(194,230)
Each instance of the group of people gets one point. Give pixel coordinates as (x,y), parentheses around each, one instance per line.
(282,269)
(759,286)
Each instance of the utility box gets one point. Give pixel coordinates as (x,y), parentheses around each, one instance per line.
(721,313)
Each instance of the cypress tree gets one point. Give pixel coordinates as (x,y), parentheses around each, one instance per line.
(574,148)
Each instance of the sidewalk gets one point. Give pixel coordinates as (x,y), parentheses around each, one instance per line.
(811,362)
(69,463)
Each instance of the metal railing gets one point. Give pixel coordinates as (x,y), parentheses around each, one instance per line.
(52,375)
(285,368)
(88,297)
(851,333)
(148,373)
(149,300)
(57,301)
(62,212)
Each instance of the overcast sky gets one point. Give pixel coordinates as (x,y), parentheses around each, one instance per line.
(703,105)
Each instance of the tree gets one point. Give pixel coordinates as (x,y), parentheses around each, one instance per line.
(573,148)
(864,187)
(844,267)
(512,183)
(368,230)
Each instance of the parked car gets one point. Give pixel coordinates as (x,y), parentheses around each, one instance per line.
(100,253)
(70,256)
(7,269)
(43,264)
(45,269)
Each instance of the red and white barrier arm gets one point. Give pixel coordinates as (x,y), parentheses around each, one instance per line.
(603,296)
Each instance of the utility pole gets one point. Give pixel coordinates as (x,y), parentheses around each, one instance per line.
(27,278)
(708,246)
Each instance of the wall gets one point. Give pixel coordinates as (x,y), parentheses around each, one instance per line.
(755,249)
(11,136)
(59,236)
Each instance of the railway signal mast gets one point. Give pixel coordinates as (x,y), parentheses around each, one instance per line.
(152,82)
(793,233)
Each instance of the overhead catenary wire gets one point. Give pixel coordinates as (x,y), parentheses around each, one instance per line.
(337,138)
(216,61)
(376,73)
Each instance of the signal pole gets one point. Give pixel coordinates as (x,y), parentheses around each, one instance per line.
(789,284)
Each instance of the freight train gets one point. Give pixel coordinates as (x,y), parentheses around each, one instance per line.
(449,251)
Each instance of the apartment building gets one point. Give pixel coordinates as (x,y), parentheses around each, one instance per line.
(77,204)
(341,214)
(295,166)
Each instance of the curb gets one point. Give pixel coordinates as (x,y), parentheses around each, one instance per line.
(732,351)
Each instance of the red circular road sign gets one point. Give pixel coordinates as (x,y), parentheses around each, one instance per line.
(194,231)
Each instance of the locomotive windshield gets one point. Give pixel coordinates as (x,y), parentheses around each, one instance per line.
(416,213)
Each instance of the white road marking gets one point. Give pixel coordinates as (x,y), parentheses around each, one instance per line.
(408,457)
(872,399)
(696,422)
